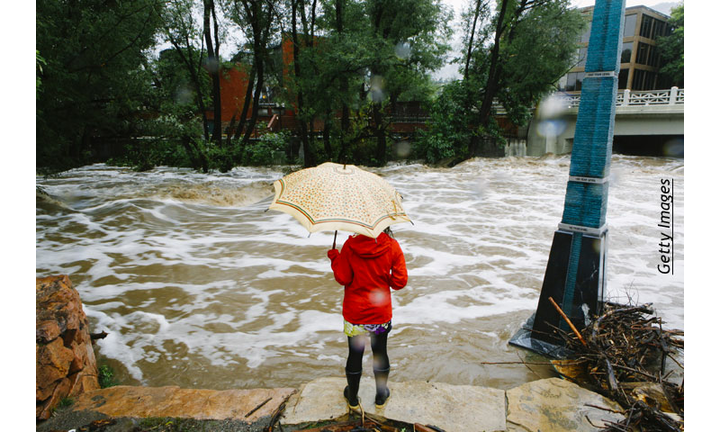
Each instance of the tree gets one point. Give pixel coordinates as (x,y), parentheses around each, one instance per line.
(541,48)
(257,18)
(415,29)
(181,30)
(303,72)
(95,80)
(672,48)
(526,47)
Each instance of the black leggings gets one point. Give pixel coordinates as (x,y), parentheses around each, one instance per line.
(378,343)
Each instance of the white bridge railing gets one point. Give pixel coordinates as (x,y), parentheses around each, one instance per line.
(673,96)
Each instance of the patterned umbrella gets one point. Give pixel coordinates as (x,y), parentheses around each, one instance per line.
(331,197)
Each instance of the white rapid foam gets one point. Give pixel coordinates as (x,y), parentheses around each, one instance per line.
(199,286)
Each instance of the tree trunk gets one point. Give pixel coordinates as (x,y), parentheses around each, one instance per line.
(214,66)
(308,154)
(194,76)
(256,101)
(246,103)
(472,36)
(494,74)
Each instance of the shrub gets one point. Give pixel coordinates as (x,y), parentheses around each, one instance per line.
(270,149)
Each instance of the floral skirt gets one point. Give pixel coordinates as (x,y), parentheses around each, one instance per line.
(352,330)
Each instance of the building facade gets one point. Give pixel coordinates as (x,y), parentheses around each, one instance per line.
(640,61)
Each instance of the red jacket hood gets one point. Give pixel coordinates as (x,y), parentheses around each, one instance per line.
(368,247)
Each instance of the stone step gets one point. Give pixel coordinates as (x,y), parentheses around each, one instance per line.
(546,405)
(145,402)
(550,404)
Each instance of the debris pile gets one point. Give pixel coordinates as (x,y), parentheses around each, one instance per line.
(356,421)
(624,354)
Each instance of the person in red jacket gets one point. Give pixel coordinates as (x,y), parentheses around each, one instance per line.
(368,268)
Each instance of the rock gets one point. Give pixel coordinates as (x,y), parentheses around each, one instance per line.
(454,408)
(65,359)
(47,331)
(144,402)
(52,364)
(59,393)
(557,405)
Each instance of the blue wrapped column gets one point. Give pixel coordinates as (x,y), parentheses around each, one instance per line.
(575,274)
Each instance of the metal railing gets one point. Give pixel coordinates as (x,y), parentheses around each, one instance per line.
(625,98)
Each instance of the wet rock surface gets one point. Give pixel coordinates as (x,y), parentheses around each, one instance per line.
(65,360)
(557,405)
(449,407)
(129,408)
(144,402)
(550,404)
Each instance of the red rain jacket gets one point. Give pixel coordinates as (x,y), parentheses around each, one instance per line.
(368,269)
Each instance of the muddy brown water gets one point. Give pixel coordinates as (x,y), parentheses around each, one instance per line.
(198,286)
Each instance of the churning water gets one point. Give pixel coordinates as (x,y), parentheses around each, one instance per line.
(198,286)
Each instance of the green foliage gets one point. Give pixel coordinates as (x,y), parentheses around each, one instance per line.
(270,149)
(672,48)
(106,376)
(542,49)
(536,47)
(39,63)
(449,133)
(372,52)
(95,82)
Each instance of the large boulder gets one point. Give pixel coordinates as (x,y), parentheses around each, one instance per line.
(65,360)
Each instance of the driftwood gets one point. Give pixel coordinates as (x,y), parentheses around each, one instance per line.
(624,352)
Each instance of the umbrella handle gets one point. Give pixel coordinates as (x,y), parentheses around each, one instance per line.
(334,239)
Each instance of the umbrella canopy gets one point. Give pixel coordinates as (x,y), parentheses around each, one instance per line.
(331,197)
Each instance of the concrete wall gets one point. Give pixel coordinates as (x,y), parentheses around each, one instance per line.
(555,134)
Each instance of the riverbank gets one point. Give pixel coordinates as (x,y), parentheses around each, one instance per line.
(549,404)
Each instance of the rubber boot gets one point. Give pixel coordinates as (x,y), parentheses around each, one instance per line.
(351,391)
(382,392)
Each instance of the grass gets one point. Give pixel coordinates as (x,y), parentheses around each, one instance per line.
(106,376)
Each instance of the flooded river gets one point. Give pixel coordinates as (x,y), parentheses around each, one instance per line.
(198,286)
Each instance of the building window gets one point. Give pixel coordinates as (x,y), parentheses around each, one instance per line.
(653,56)
(648,55)
(652,28)
(626,53)
(574,81)
(643,80)
(638,78)
(622,78)
(642,55)
(630,23)
(659,29)
(646,26)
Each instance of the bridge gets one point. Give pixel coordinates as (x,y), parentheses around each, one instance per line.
(646,122)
